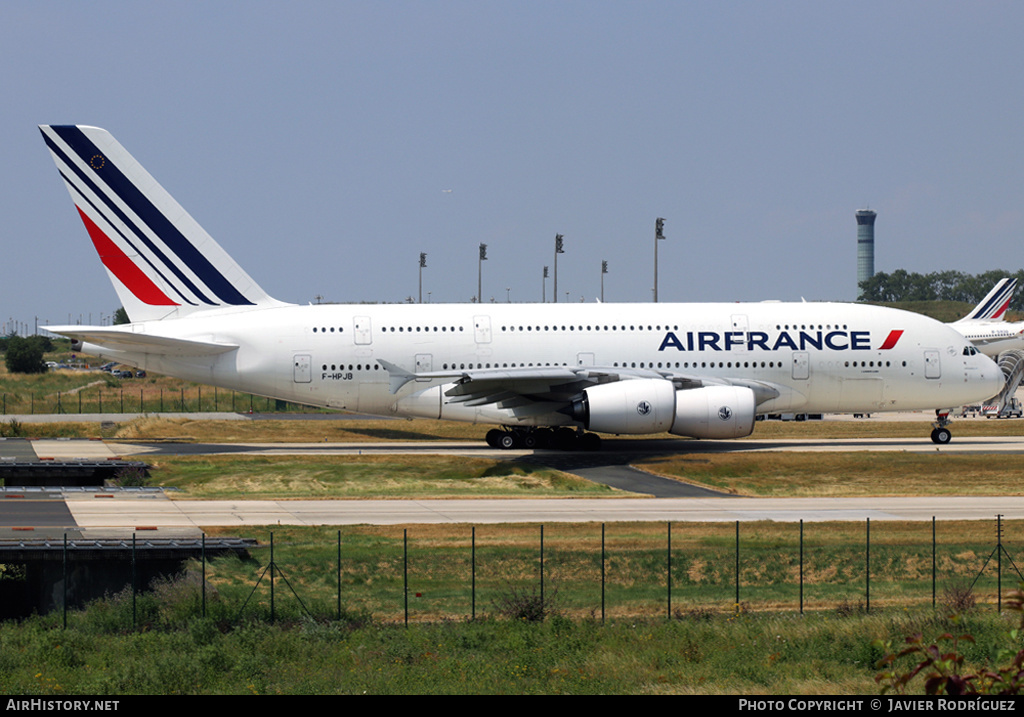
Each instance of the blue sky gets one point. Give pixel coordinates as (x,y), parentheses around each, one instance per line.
(316,141)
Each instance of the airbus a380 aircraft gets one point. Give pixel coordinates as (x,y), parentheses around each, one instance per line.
(544,373)
(985,326)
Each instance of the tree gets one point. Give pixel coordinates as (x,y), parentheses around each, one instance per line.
(902,285)
(121,316)
(24,356)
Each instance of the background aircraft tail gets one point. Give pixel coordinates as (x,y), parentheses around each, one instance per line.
(993,306)
(161,262)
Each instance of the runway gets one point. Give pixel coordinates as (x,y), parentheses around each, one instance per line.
(115,513)
(127,514)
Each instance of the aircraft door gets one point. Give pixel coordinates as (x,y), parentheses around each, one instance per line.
(482,329)
(932,367)
(424,364)
(801,365)
(363,331)
(302,368)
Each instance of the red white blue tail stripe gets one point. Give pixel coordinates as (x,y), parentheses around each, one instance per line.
(161,261)
(994,306)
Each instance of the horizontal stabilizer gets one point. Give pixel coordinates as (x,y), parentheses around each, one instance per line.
(140,342)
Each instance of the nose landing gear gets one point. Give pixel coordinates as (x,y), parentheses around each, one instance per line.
(941,435)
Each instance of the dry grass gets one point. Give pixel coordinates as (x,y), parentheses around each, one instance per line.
(342,430)
(844,474)
(363,477)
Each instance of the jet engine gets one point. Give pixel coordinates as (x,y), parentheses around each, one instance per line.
(654,405)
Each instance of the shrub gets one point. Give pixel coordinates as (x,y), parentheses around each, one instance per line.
(24,356)
(526,604)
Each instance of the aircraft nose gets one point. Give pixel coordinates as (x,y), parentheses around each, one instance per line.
(991,375)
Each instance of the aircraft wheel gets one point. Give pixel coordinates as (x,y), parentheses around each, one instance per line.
(941,436)
(508,440)
(590,442)
(494,438)
(565,439)
(544,437)
(529,440)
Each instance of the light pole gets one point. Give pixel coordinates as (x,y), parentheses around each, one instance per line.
(544,287)
(558,250)
(659,226)
(423,264)
(480,273)
(604,270)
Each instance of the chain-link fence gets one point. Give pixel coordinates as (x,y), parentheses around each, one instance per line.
(598,571)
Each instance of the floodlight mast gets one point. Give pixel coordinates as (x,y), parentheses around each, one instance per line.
(558,250)
(659,234)
(480,273)
(423,264)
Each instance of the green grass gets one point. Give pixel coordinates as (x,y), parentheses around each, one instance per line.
(756,654)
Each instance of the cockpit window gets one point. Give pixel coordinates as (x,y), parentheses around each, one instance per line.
(970,351)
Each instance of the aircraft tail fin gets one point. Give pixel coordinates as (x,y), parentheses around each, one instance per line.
(993,306)
(161,262)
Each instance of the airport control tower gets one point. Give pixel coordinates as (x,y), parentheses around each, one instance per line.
(865,246)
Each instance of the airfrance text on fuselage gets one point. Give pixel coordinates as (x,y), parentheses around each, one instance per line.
(838,340)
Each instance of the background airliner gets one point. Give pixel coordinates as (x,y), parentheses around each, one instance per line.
(985,326)
(548,374)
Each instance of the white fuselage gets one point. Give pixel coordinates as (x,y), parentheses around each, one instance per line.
(992,337)
(815,357)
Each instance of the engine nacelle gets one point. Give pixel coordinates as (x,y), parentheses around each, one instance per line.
(715,412)
(642,406)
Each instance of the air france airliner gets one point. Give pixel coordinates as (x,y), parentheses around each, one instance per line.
(986,326)
(544,375)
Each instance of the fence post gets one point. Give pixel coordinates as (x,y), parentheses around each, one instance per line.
(135,585)
(63,578)
(542,565)
(405,573)
(668,569)
(273,611)
(203,583)
(339,575)
(603,558)
(999,563)
(472,570)
(801,566)
(933,562)
(867,567)
(737,567)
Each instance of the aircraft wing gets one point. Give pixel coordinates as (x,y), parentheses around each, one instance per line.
(124,340)
(543,385)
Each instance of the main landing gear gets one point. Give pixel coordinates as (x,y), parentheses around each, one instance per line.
(940,433)
(564,438)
